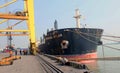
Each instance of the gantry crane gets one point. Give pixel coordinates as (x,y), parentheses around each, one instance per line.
(28,15)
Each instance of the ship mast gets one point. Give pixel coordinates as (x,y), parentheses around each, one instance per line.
(77,17)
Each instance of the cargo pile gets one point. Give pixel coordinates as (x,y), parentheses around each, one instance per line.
(9,60)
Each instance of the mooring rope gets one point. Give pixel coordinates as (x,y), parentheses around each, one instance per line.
(80,33)
(111,36)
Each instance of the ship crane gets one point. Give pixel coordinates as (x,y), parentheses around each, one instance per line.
(27,15)
(77,17)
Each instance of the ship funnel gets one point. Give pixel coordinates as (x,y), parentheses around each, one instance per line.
(55,25)
(77,17)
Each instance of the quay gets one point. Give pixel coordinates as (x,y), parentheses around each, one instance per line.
(27,64)
(31,64)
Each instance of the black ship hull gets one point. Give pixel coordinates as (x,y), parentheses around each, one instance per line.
(72,42)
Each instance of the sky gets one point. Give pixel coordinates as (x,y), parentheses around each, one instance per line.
(104,14)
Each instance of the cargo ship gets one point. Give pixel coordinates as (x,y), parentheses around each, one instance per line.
(72,43)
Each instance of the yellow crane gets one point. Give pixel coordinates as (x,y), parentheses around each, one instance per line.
(28,15)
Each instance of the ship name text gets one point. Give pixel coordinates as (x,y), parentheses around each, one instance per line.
(53,36)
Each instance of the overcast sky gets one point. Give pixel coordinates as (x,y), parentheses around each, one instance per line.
(104,14)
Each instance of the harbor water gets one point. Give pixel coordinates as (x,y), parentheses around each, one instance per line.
(106,66)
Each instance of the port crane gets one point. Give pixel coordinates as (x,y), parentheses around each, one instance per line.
(26,15)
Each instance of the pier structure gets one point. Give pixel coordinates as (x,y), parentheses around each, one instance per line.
(41,64)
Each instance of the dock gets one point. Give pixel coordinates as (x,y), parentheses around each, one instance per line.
(27,64)
(31,64)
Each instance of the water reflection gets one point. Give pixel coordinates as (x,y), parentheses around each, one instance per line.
(93,66)
(104,66)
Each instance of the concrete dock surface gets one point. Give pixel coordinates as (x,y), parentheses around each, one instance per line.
(31,64)
(27,64)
